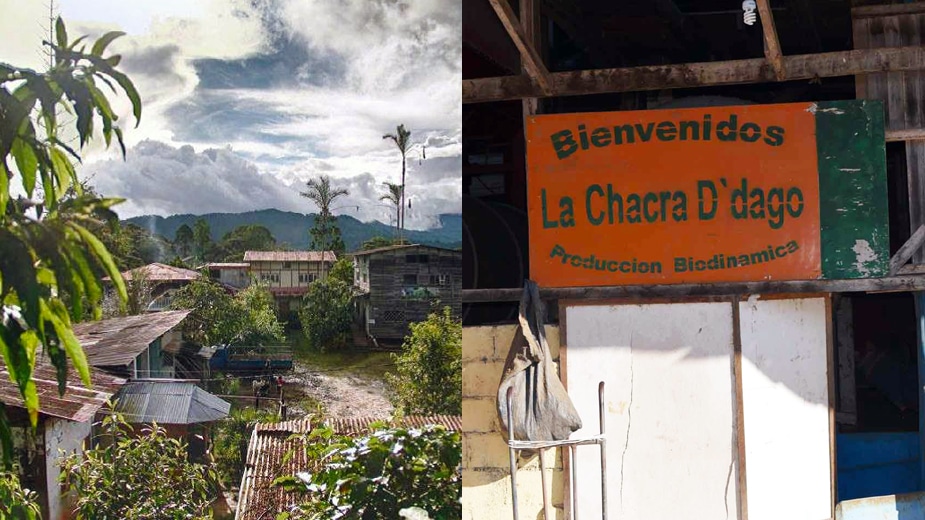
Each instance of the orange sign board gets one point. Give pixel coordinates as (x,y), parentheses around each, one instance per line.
(674,196)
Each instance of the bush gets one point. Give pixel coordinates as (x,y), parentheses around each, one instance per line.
(229,443)
(379,475)
(326,313)
(428,373)
(138,477)
(219,318)
(15,502)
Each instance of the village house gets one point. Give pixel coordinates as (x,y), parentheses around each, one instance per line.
(399,285)
(719,206)
(149,350)
(276,450)
(286,274)
(162,280)
(65,423)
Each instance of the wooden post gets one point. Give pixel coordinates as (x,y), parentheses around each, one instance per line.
(920,328)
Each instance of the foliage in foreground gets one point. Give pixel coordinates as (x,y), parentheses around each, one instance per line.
(230,439)
(326,312)
(17,503)
(50,261)
(428,373)
(378,475)
(219,318)
(132,477)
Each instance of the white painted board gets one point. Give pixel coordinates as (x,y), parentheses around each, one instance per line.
(668,370)
(786,408)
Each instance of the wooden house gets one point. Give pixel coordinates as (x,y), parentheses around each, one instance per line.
(400,285)
(753,369)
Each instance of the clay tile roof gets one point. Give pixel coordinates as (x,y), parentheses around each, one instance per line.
(274,452)
(117,341)
(162,273)
(289,256)
(78,403)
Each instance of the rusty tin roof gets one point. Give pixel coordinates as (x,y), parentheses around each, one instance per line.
(117,341)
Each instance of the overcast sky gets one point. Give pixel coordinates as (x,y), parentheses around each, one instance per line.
(246,100)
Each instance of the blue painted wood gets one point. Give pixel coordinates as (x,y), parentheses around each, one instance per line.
(875,464)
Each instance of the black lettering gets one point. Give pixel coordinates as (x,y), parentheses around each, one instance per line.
(690,130)
(775,136)
(564,144)
(600,137)
(728,130)
(750,132)
(666,131)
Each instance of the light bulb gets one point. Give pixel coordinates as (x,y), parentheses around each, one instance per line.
(749,7)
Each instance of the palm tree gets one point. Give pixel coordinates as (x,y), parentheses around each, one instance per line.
(402,139)
(325,233)
(394,197)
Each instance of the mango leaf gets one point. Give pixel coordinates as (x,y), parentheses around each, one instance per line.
(60,32)
(101,254)
(129,88)
(4,188)
(30,398)
(100,46)
(59,320)
(63,170)
(16,261)
(27,163)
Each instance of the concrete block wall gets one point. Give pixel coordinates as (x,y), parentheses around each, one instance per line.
(486,466)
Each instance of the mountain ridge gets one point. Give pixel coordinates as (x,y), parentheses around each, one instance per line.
(289,227)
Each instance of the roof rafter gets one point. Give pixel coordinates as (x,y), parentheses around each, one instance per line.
(771,44)
(532,63)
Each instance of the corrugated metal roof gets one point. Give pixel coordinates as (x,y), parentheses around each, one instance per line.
(157,272)
(78,403)
(403,246)
(267,458)
(169,403)
(288,256)
(228,265)
(117,341)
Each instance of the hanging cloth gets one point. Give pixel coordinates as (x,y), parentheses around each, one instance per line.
(542,410)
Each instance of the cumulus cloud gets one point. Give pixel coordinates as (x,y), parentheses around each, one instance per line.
(157,178)
(245,100)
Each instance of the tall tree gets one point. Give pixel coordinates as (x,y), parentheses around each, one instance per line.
(183,240)
(394,196)
(202,237)
(402,139)
(325,233)
(50,262)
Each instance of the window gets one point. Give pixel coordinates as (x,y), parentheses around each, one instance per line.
(269,277)
(410,279)
(439,279)
(416,259)
(306,277)
(287,265)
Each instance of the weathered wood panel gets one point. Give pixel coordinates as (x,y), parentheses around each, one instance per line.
(669,401)
(393,303)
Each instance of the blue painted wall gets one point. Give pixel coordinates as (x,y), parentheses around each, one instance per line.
(876,464)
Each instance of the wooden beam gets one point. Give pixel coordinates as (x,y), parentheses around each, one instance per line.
(876,11)
(530,59)
(906,134)
(907,250)
(771,44)
(890,283)
(691,75)
(530,22)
